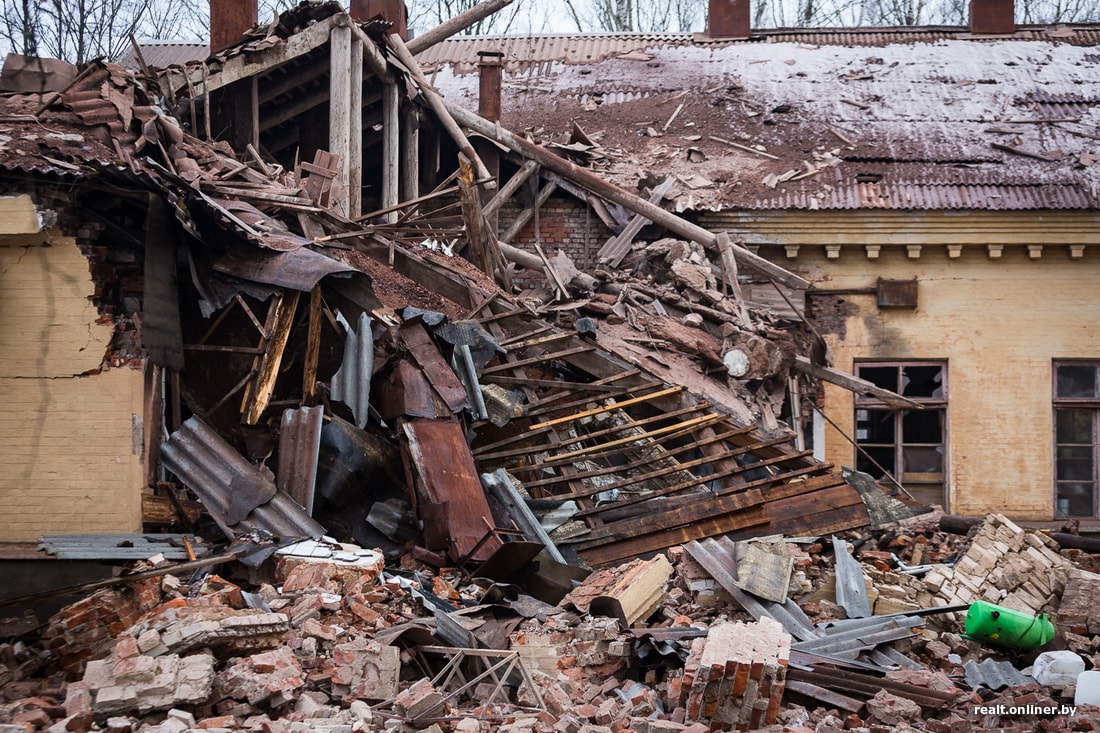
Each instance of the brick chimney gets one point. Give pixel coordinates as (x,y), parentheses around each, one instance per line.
(490,73)
(728,19)
(392,10)
(992,16)
(229,20)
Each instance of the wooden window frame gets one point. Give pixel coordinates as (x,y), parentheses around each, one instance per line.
(1091,404)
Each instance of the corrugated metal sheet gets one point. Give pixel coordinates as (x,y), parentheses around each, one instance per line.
(993,674)
(120,546)
(925,196)
(590,48)
(351,383)
(523,51)
(211,468)
(162,54)
(299,451)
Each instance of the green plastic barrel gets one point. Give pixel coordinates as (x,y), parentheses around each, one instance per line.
(1001,626)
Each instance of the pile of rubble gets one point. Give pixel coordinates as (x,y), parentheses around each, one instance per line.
(323,637)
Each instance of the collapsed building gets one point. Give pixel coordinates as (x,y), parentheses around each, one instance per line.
(281,321)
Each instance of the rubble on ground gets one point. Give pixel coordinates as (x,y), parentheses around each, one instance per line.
(301,643)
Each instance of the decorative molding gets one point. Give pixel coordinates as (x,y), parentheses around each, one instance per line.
(1076,251)
(994,251)
(954,251)
(832,251)
(873,251)
(914,251)
(1035,251)
(792,250)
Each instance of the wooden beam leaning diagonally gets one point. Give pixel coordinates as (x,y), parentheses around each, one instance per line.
(591,182)
(440,108)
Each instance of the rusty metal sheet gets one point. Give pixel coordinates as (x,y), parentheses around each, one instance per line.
(299,449)
(445,473)
(273,234)
(439,373)
(300,269)
(211,468)
(405,392)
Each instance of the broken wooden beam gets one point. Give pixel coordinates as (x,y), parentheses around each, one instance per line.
(853,383)
(457,24)
(616,248)
(594,184)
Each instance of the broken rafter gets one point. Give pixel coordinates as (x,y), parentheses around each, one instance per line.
(853,383)
(594,184)
(608,408)
(457,24)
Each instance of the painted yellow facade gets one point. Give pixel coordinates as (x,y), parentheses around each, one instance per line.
(70,436)
(1000,297)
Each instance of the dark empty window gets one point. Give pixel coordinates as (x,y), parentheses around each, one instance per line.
(1076,438)
(902,444)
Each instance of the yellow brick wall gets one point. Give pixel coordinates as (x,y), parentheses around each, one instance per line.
(70,441)
(998,324)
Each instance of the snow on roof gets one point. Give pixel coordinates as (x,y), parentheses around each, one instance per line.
(933,120)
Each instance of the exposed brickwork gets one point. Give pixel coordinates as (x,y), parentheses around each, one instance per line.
(87,629)
(735,676)
(563,223)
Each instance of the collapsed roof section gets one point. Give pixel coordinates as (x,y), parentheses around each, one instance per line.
(266,297)
(812,119)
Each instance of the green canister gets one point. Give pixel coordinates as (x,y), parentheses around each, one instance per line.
(1001,626)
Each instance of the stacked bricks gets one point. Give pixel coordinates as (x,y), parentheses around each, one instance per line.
(734,677)
(1078,612)
(1005,565)
(595,649)
(87,628)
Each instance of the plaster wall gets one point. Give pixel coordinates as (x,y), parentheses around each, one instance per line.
(71,432)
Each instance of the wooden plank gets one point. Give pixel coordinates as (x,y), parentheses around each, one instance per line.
(616,248)
(677,428)
(438,106)
(608,408)
(637,463)
(313,346)
(631,480)
(506,366)
(528,212)
(355,134)
(597,434)
(410,153)
(708,527)
(595,184)
(572,386)
(259,390)
(739,469)
(729,271)
(340,113)
(509,189)
(457,24)
(391,143)
(542,406)
(853,383)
